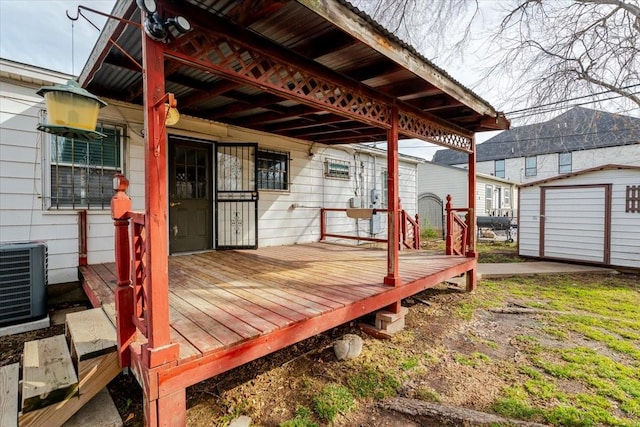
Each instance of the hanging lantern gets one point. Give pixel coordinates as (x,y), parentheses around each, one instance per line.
(72,112)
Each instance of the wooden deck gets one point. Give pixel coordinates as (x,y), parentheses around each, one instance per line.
(230,307)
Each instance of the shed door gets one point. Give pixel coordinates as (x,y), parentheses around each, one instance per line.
(575,223)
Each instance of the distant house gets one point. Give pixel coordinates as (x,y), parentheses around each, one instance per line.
(494,196)
(579,139)
(588,216)
(52,188)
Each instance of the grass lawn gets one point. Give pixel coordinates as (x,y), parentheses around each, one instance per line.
(574,360)
(582,367)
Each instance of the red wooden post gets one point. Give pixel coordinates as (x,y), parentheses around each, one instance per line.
(471,222)
(449,236)
(393,203)
(82,238)
(126,330)
(159,349)
(417,236)
(323,223)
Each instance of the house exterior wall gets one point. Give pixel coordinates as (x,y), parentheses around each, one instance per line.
(442,180)
(548,163)
(625,227)
(285,217)
(21,199)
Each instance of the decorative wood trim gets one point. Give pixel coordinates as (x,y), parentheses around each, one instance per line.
(632,199)
(244,57)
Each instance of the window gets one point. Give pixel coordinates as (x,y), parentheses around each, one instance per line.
(530,166)
(633,199)
(81,172)
(507,198)
(273,170)
(336,169)
(488,198)
(564,163)
(499,168)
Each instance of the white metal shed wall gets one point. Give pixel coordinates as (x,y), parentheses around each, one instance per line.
(625,227)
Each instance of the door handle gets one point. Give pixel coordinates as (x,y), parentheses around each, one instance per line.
(174,204)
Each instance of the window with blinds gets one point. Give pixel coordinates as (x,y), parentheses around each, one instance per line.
(82,171)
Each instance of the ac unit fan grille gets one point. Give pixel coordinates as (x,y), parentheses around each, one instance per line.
(22,281)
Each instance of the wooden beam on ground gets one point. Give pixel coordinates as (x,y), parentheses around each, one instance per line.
(9,377)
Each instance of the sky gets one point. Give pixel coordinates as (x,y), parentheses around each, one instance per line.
(38,32)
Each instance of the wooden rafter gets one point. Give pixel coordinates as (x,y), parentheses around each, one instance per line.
(240,55)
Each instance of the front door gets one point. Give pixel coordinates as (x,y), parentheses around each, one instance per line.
(190,196)
(236,196)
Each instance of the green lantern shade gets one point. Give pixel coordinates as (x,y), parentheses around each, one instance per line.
(72,112)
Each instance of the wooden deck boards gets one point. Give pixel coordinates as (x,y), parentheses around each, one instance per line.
(225,300)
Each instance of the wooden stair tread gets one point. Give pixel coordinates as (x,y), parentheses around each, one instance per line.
(91,334)
(48,373)
(105,369)
(9,389)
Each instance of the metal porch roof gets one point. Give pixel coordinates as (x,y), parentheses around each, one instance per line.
(331,33)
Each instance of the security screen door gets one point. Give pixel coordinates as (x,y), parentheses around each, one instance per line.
(236,196)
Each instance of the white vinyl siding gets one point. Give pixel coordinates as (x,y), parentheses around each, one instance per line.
(625,227)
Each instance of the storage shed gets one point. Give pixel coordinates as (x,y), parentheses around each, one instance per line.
(590,216)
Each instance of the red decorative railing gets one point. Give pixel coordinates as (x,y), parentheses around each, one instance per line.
(459,231)
(410,230)
(139,272)
(131,266)
(409,227)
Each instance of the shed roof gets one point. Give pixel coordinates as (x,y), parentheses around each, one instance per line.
(577,129)
(582,172)
(328,36)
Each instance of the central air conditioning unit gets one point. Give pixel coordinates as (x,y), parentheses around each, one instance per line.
(23,281)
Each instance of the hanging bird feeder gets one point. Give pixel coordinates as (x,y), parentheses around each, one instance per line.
(72,112)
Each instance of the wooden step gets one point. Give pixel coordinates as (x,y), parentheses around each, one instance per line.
(102,370)
(9,390)
(91,335)
(47,373)
(92,339)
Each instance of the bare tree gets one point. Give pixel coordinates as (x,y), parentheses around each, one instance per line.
(555,50)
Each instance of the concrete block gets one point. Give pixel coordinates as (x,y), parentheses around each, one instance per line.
(25,327)
(391,322)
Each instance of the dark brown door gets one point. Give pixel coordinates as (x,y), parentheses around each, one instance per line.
(190,196)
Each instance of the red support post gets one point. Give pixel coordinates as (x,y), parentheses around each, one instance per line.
(323,224)
(393,204)
(471,222)
(159,349)
(126,330)
(82,238)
